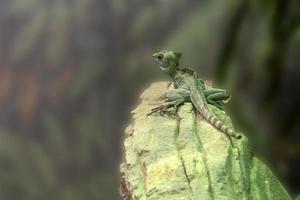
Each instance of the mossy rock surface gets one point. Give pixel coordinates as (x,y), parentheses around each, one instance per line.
(167,159)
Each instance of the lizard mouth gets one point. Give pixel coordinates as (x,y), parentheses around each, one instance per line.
(163,68)
(162,65)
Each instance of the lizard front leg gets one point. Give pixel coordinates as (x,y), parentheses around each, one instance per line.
(174,98)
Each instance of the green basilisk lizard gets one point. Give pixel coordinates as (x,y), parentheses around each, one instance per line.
(188,88)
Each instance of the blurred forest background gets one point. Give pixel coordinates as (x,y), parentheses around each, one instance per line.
(71,72)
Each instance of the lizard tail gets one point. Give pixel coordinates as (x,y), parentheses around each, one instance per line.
(221,126)
(204,111)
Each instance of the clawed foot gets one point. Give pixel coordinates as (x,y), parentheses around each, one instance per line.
(164,111)
(227,100)
(162,98)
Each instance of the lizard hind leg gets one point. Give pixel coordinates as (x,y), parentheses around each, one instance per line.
(216,104)
(217,97)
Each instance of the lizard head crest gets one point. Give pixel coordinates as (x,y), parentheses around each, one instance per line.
(167,60)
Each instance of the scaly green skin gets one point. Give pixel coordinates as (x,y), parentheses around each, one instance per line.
(190,89)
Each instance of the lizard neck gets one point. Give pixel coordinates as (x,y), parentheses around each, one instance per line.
(173,71)
(173,75)
(178,79)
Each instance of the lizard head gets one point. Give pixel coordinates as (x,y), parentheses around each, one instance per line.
(167,60)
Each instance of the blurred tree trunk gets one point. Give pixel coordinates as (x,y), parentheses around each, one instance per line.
(283,21)
(229,43)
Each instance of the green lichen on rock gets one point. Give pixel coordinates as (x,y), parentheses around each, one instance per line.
(167,159)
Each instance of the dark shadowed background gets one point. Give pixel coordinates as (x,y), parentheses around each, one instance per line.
(71,72)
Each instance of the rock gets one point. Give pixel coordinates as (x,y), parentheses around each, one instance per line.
(167,159)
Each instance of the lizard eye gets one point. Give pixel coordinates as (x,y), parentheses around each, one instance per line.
(159,57)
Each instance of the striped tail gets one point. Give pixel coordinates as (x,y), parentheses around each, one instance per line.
(219,124)
(200,103)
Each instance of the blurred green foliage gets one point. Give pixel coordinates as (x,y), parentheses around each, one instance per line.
(71,71)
